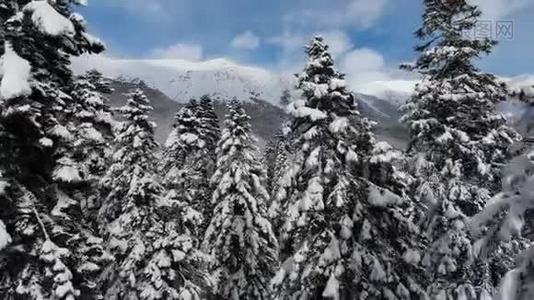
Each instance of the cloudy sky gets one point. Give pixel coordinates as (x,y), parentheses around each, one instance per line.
(369,38)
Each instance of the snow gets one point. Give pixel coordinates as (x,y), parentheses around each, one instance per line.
(81,2)
(185,294)
(67,174)
(46,142)
(336,83)
(365,233)
(312,113)
(190,138)
(182,80)
(313,158)
(3,186)
(381,197)
(509,286)
(88,267)
(48,20)
(63,202)
(90,133)
(65,290)
(178,255)
(62,132)
(444,138)
(331,290)
(5,238)
(378,273)
(15,73)
(412,256)
(383,152)
(171,139)
(338,124)
(523,83)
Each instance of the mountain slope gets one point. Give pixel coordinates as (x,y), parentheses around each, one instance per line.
(182,80)
(386,114)
(266,118)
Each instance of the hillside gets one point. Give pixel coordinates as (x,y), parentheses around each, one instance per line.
(266,118)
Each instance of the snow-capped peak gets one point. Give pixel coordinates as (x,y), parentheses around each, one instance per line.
(182,80)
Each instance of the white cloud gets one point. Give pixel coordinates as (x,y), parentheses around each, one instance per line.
(364,12)
(363,60)
(293,44)
(353,13)
(246,40)
(190,52)
(338,41)
(367,72)
(366,69)
(498,9)
(141,7)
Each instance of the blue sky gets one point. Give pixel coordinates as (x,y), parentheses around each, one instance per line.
(368,36)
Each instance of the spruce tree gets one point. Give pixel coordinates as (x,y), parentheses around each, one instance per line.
(210,127)
(459,140)
(51,254)
(93,134)
(275,155)
(343,233)
(155,258)
(189,160)
(505,218)
(276,162)
(239,237)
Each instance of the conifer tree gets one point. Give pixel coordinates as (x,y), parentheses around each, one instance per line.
(461,141)
(189,160)
(154,259)
(210,127)
(276,162)
(92,125)
(239,236)
(503,219)
(50,254)
(343,236)
(275,154)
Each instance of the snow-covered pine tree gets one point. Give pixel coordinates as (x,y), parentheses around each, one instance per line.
(459,140)
(187,163)
(81,159)
(51,254)
(154,258)
(276,161)
(210,128)
(92,127)
(268,161)
(239,236)
(343,236)
(277,149)
(505,216)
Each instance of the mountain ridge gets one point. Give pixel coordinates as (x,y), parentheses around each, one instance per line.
(266,117)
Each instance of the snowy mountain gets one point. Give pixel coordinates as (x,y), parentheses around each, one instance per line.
(386,114)
(167,81)
(182,80)
(266,118)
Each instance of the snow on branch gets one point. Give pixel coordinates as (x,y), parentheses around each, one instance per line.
(15,72)
(48,19)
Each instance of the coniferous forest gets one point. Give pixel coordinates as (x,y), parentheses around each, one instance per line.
(92,206)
